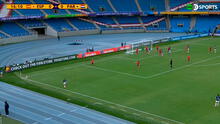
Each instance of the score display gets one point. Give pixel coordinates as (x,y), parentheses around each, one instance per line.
(47,6)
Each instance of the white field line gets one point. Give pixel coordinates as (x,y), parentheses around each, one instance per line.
(105,101)
(118,72)
(185,66)
(208,65)
(71,67)
(152,76)
(36,73)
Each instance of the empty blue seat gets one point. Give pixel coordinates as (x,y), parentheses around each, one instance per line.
(59,25)
(13,29)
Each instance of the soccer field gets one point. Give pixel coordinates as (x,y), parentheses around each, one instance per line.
(184,94)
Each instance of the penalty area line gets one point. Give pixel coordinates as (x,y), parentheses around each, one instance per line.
(185,66)
(107,70)
(214,64)
(152,76)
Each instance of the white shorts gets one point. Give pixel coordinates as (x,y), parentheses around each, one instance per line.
(216,101)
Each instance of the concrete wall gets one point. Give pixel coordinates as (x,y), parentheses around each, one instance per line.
(133,31)
(123,31)
(18,39)
(50,31)
(97,31)
(77,33)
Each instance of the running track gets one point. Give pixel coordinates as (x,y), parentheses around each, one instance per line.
(33,108)
(50,48)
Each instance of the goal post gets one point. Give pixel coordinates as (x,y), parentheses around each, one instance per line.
(140,45)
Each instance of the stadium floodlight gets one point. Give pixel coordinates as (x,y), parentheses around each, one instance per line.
(141,44)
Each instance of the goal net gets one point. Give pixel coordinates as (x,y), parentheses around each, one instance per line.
(140,45)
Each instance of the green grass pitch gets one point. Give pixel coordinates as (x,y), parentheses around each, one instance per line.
(185,94)
(7,120)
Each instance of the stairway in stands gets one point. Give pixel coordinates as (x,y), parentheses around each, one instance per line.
(138,5)
(182,5)
(192,23)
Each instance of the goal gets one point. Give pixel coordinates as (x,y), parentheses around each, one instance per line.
(140,45)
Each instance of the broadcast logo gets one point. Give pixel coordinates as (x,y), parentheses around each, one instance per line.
(196,7)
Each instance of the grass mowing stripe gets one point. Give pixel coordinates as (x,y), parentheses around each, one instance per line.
(105,101)
(118,72)
(185,66)
(101,60)
(152,76)
(70,67)
(208,65)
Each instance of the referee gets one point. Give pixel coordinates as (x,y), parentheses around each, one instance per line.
(171,63)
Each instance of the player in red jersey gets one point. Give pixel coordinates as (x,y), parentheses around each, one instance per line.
(147,50)
(160,52)
(157,47)
(92,61)
(137,51)
(188,58)
(169,50)
(138,64)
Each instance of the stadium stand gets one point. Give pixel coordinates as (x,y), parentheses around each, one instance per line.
(180,24)
(15,14)
(147,19)
(17,30)
(60,25)
(127,20)
(206,24)
(152,5)
(99,6)
(175,3)
(106,20)
(82,25)
(157,26)
(128,5)
(31,23)
(3,36)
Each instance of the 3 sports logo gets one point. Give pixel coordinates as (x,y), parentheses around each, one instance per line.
(197,7)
